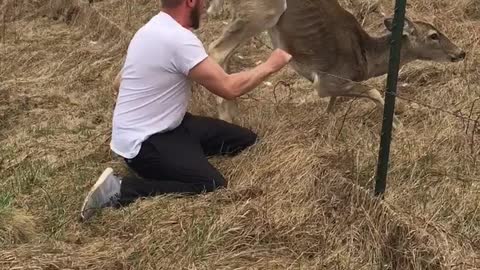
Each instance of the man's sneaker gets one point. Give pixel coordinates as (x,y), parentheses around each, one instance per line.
(104,193)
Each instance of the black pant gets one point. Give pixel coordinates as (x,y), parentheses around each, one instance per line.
(176,161)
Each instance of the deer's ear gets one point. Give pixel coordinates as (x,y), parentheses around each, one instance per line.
(388,24)
(408,27)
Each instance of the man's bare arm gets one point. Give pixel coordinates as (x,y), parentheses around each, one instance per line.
(230,86)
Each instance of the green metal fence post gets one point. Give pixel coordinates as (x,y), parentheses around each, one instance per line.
(392,78)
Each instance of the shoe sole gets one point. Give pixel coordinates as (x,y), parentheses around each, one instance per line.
(99,182)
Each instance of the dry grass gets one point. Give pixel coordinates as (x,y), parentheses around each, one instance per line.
(16,227)
(299,199)
(472,9)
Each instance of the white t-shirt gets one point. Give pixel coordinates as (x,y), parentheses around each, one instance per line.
(154,91)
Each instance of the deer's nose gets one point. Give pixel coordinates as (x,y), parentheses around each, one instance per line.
(459,57)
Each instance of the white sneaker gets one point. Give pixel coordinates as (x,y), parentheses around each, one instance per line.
(104,193)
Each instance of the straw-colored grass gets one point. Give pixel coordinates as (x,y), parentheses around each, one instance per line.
(300,199)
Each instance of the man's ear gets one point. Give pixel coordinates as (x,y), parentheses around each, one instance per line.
(191,3)
(408,27)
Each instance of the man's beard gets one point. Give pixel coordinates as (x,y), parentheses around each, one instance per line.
(195,16)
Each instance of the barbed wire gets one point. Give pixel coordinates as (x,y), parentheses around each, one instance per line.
(458,113)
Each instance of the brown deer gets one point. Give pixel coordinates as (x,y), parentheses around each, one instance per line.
(328,45)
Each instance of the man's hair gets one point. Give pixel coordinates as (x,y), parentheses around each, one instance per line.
(171,3)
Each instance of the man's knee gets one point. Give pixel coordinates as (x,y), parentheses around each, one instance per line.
(246,139)
(250,138)
(218,184)
(209,178)
(214,184)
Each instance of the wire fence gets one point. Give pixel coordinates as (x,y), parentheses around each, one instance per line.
(470,119)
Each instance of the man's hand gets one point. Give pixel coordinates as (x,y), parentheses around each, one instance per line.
(212,76)
(278,59)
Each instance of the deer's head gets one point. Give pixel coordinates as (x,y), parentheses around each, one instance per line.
(426,42)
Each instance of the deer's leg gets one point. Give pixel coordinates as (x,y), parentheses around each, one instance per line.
(361,90)
(331,105)
(215,8)
(374,95)
(243,27)
(220,50)
(351,89)
(322,86)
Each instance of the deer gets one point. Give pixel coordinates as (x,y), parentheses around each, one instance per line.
(328,45)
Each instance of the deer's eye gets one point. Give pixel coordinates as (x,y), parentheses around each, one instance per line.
(434,36)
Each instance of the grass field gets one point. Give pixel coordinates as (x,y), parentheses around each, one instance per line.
(300,199)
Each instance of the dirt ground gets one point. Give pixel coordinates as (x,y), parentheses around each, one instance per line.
(299,199)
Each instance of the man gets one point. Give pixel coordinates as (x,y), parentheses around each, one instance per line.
(166,146)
